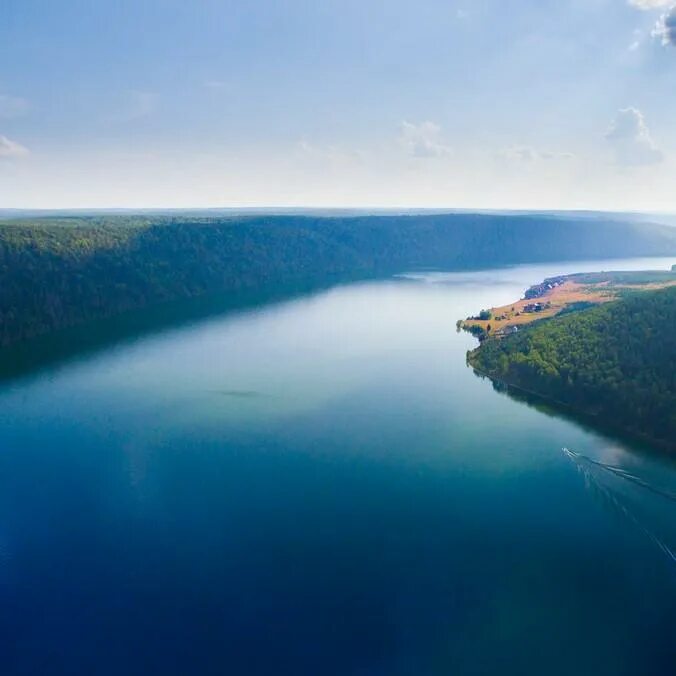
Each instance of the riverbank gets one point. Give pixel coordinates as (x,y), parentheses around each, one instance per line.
(612,362)
(553,406)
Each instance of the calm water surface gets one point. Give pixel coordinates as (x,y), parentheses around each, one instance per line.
(323,487)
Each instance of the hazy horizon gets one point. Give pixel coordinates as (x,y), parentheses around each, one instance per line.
(310,208)
(299,104)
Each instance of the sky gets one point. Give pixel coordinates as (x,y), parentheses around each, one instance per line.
(491,104)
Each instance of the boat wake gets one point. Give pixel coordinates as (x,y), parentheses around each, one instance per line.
(633,498)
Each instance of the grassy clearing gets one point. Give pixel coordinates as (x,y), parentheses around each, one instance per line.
(573,291)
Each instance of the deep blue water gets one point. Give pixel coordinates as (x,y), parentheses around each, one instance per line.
(322,487)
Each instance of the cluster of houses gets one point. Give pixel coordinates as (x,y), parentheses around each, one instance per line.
(507,331)
(536,307)
(545,287)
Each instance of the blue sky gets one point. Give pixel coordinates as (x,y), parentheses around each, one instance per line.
(439,103)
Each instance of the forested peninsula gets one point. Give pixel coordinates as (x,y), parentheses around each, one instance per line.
(62,271)
(615,362)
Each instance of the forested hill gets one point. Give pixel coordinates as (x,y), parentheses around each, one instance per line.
(59,272)
(614,361)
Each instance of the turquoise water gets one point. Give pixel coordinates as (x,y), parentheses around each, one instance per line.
(322,486)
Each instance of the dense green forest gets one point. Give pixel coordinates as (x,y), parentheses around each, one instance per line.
(59,272)
(615,361)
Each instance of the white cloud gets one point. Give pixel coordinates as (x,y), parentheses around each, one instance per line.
(423,139)
(650,4)
(631,140)
(527,154)
(665,29)
(12,106)
(546,155)
(519,153)
(11,149)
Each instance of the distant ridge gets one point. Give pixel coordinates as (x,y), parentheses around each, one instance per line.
(329,212)
(63,269)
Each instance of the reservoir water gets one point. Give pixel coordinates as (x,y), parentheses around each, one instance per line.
(322,486)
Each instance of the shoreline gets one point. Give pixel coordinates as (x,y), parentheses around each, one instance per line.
(595,420)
